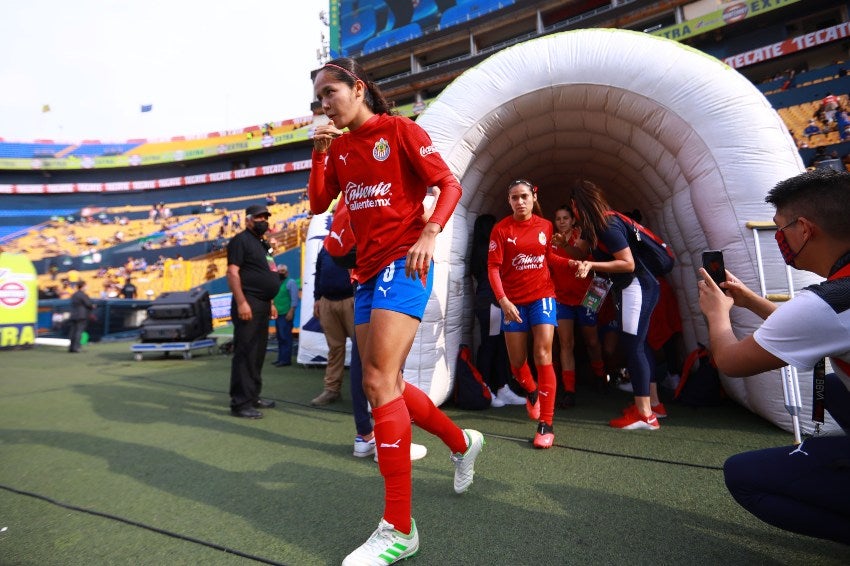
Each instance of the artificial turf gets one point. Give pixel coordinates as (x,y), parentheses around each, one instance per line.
(107,460)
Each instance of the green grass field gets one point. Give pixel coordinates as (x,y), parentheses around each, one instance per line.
(106,460)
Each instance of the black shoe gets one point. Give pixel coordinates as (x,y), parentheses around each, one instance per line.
(247,413)
(264,404)
(568,400)
(281,364)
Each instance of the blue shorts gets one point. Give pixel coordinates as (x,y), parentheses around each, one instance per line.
(583,315)
(392,290)
(541,311)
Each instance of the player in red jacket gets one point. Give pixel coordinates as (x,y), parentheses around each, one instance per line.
(518,268)
(383,167)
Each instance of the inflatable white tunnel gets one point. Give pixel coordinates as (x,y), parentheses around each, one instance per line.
(663,128)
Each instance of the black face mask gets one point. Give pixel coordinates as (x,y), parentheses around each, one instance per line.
(260,227)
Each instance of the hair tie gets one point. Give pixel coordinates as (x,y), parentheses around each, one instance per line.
(346,71)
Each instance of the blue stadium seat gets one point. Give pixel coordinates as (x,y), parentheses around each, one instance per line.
(20,150)
(469,10)
(356,28)
(394,37)
(102,149)
(425,13)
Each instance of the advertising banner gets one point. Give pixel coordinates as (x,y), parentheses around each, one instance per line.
(792,45)
(728,13)
(18,301)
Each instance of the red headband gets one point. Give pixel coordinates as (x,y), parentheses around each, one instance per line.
(346,71)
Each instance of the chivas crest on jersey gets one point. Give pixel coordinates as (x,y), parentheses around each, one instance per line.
(381,151)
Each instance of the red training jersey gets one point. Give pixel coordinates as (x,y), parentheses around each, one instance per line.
(383,170)
(569,289)
(517,260)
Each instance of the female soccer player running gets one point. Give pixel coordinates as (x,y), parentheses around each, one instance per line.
(518,267)
(383,166)
(569,292)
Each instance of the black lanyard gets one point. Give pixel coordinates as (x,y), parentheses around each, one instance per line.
(819,373)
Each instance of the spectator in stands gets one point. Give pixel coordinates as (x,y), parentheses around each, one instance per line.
(81,309)
(791,81)
(829,104)
(270,199)
(820,155)
(842,121)
(128,291)
(811,129)
(334,307)
(212,271)
(254,282)
(285,301)
(52,292)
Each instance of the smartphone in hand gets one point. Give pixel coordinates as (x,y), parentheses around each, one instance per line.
(712,262)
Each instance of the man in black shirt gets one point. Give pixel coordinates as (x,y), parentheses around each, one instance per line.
(81,309)
(128,291)
(254,281)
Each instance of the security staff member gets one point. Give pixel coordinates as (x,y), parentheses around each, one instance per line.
(254,281)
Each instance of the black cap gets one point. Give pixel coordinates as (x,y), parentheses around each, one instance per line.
(256,210)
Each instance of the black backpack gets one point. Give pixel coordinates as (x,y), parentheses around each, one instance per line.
(699,385)
(470,391)
(647,247)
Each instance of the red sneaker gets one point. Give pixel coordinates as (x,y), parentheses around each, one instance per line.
(545,436)
(658,410)
(532,405)
(633,420)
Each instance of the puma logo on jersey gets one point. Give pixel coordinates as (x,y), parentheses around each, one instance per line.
(511,240)
(337,237)
(393,445)
(384,291)
(344,158)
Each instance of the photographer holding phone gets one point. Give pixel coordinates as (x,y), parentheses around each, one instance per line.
(803,489)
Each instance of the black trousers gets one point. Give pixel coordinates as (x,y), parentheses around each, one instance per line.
(250,338)
(75,333)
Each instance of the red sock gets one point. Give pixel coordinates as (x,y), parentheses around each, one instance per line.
(568,378)
(392,440)
(598,368)
(425,413)
(548,384)
(524,378)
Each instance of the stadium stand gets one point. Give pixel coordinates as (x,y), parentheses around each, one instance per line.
(393,37)
(469,10)
(98,149)
(31,150)
(357,26)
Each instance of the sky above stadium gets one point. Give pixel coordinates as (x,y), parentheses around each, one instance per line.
(201,66)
